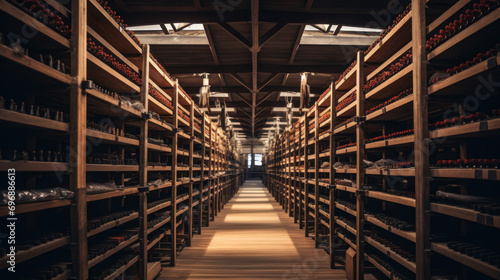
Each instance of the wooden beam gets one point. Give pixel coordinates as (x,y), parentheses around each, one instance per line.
(235,34)
(297,43)
(197,5)
(211,43)
(264,99)
(260,111)
(337,30)
(244,100)
(285,79)
(263,68)
(164,28)
(240,81)
(240,89)
(267,81)
(359,19)
(271,33)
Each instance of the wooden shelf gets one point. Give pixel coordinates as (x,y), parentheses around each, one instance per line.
(393,41)
(124,192)
(409,172)
(392,86)
(111,138)
(111,252)
(122,269)
(32,121)
(34,166)
(159,148)
(455,84)
(24,255)
(156,240)
(395,111)
(391,254)
(159,225)
(345,226)
(104,75)
(40,69)
(410,235)
(348,81)
(110,106)
(25,19)
(105,25)
(113,224)
(181,212)
(391,198)
(470,129)
(35,206)
(111,168)
(159,108)
(466,214)
(345,209)
(381,268)
(473,263)
(467,173)
(466,39)
(391,142)
(346,189)
(346,240)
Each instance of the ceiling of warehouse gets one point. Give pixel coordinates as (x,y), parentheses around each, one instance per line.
(254,50)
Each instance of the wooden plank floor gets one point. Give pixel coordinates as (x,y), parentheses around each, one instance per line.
(252,238)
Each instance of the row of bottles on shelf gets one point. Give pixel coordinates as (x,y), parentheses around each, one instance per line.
(478,58)
(39,155)
(100,52)
(450,195)
(477,9)
(118,20)
(396,67)
(34,110)
(113,158)
(107,126)
(102,244)
(53,60)
(46,14)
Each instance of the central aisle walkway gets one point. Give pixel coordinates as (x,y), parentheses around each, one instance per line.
(252,238)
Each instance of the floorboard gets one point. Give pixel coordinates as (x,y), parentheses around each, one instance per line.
(252,238)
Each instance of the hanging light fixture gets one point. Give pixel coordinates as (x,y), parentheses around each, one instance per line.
(277,125)
(204,91)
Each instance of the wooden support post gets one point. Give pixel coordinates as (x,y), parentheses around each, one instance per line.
(202,182)
(333,123)
(301,182)
(306,168)
(360,174)
(78,140)
(316,175)
(421,153)
(289,174)
(296,201)
(143,169)
(190,185)
(210,156)
(213,166)
(173,223)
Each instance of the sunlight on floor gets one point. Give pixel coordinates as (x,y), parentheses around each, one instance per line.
(252,206)
(252,242)
(252,218)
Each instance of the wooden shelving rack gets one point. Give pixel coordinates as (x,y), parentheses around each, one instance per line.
(178,183)
(318,170)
